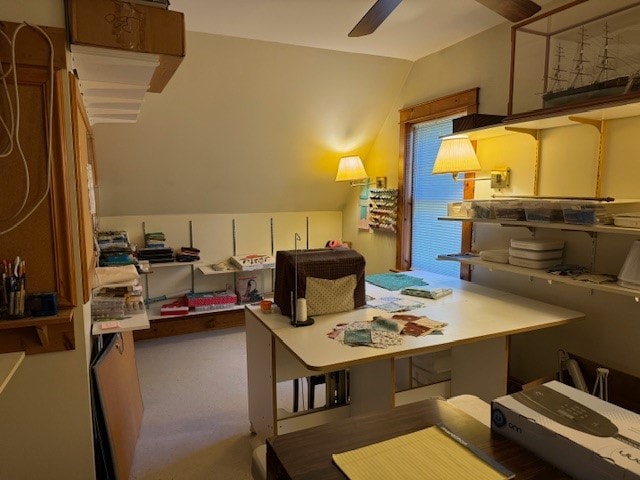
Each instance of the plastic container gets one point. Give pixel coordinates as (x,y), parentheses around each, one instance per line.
(629,220)
(585,213)
(537,264)
(536,254)
(596,213)
(509,210)
(537,244)
(498,256)
(629,275)
(482,209)
(543,211)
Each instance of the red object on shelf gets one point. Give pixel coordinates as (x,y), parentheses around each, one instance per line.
(211,298)
(178,307)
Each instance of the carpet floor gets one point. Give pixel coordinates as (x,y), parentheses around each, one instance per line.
(195,424)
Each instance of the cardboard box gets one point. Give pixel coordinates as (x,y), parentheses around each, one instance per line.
(580,434)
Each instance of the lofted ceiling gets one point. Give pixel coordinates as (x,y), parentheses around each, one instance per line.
(414,29)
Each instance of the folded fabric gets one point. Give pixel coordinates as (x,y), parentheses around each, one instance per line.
(394,281)
(421,291)
(111,275)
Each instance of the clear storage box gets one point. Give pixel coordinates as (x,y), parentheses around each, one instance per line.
(543,211)
(595,213)
(482,209)
(509,210)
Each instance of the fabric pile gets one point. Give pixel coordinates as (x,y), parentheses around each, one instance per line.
(382,332)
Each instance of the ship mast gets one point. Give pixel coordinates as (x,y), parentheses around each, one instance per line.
(605,64)
(555,80)
(579,63)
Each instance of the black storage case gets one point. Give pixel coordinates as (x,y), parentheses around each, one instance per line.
(324,263)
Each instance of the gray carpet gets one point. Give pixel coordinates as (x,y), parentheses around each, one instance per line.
(195,424)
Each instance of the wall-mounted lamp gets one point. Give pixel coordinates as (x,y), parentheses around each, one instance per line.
(456,155)
(351,169)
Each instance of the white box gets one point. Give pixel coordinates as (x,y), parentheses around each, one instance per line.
(552,421)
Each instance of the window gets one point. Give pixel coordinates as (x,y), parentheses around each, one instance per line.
(431,193)
(415,193)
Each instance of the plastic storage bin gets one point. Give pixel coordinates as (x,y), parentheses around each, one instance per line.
(596,213)
(482,209)
(509,210)
(543,211)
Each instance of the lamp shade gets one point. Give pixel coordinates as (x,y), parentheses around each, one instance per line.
(456,154)
(350,168)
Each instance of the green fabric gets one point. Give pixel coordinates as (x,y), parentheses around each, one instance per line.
(385,324)
(358,337)
(394,281)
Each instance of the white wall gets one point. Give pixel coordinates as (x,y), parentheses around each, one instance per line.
(45,416)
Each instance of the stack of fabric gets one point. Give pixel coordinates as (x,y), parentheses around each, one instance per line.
(114,248)
(154,240)
(188,254)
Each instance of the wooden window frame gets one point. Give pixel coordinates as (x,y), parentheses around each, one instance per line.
(463,102)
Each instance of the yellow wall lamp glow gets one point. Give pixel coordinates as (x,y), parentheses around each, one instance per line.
(351,169)
(456,155)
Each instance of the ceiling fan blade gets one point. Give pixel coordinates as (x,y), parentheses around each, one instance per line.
(374,17)
(513,10)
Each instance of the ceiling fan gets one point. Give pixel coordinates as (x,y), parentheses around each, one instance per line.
(513,10)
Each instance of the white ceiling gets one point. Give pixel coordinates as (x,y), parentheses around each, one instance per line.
(414,29)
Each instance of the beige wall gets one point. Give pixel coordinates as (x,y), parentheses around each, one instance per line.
(246,126)
(45,416)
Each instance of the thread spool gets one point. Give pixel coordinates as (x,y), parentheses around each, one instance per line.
(301,310)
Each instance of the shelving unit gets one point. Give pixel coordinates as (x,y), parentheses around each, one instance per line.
(542,274)
(592,230)
(550,225)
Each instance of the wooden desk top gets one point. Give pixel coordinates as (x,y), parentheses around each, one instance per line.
(306,454)
(472,313)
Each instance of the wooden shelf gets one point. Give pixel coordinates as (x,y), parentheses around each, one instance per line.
(609,287)
(550,225)
(40,324)
(208,270)
(625,107)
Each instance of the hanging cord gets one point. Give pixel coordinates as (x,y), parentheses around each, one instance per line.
(15,125)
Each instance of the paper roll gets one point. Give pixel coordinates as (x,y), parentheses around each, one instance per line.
(301,310)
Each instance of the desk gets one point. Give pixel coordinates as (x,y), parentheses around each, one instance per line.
(306,454)
(480,321)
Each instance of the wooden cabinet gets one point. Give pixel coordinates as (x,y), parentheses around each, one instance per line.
(130,27)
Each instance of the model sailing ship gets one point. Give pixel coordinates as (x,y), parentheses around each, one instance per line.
(580,87)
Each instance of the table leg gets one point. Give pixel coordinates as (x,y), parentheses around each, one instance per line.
(372,386)
(480,368)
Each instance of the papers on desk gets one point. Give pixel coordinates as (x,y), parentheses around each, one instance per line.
(431,453)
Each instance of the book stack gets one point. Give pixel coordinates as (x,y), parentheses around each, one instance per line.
(204,301)
(535,253)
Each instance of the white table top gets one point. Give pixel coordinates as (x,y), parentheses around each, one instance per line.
(9,363)
(472,313)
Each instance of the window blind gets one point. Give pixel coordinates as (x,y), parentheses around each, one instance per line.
(431,193)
